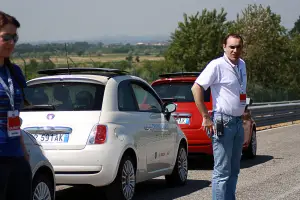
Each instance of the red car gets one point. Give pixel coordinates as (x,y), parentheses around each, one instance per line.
(177,87)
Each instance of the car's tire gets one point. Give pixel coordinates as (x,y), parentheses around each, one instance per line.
(123,188)
(180,171)
(250,152)
(42,188)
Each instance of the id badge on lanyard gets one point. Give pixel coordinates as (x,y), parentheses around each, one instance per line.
(13,123)
(13,120)
(243,95)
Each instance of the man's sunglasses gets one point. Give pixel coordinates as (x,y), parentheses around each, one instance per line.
(9,37)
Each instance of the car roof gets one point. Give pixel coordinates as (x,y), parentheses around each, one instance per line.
(98,74)
(177,77)
(86,70)
(179,74)
(95,75)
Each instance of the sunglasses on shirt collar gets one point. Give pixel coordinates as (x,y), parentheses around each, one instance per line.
(9,37)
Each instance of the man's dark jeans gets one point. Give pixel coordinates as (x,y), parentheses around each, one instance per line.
(15,179)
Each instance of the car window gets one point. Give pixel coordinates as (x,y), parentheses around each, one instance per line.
(66,96)
(126,99)
(179,91)
(145,99)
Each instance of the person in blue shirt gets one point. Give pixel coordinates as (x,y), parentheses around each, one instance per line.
(15,170)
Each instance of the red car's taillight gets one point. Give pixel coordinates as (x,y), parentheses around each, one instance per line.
(98,135)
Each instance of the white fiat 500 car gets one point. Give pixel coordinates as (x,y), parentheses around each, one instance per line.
(103,127)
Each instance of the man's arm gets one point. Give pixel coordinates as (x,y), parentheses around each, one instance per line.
(198,93)
(207,78)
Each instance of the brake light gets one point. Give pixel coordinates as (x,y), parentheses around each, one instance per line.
(98,135)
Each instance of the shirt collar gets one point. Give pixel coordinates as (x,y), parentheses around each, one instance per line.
(229,62)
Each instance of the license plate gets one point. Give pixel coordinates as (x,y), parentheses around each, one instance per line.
(52,138)
(183,121)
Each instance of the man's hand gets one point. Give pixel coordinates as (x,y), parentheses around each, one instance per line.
(208,125)
(246,115)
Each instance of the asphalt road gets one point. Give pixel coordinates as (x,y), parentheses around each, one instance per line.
(273,175)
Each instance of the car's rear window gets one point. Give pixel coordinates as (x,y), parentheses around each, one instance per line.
(181,91)
(66,96)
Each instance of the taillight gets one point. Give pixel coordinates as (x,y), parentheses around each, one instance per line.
(98,135)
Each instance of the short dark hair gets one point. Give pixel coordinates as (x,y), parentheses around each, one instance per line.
(8,19)
(234,35)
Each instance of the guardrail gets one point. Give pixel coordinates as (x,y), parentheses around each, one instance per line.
(278,112)
(276,102)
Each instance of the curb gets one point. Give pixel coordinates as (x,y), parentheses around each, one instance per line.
(277,125)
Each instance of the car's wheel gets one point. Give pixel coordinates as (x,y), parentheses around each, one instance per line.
(252,148)
(180,171)
(42,188)
(123,187)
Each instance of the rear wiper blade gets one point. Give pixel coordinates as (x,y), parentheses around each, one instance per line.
(169,99)
(38,107)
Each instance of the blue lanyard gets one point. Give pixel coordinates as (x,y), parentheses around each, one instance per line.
(9,90)
(239,78)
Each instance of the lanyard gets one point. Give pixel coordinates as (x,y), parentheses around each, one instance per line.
(239,78)
(9,90)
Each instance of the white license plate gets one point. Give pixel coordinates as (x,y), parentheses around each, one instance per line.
(52,138)
(183,121)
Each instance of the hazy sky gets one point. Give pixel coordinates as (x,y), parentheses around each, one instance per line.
(87,19)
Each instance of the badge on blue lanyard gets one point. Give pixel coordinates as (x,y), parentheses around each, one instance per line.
(13,120)
(239,76)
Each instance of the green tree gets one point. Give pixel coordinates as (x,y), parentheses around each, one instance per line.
(152,69)
(296,28)
(129,57)
(80,52)
(293,70)
(31,69)
(197,40)
(265,44)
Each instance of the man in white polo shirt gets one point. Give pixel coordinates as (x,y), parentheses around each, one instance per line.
(226,76)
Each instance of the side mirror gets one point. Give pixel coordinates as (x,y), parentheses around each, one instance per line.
(169,108)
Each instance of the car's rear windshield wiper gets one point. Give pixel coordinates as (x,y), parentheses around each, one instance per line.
(169,99)
(38,107)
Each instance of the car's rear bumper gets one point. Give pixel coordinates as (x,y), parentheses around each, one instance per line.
(200,149)
(198,141)
(100,178)
(90,166)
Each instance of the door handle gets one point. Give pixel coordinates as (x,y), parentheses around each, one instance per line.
(148,127)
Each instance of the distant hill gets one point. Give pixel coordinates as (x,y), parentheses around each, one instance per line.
(112,39)
(130,39)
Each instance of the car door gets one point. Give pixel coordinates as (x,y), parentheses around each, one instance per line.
(134,124)
(156,127)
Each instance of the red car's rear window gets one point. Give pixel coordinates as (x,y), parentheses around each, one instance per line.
(181,91)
